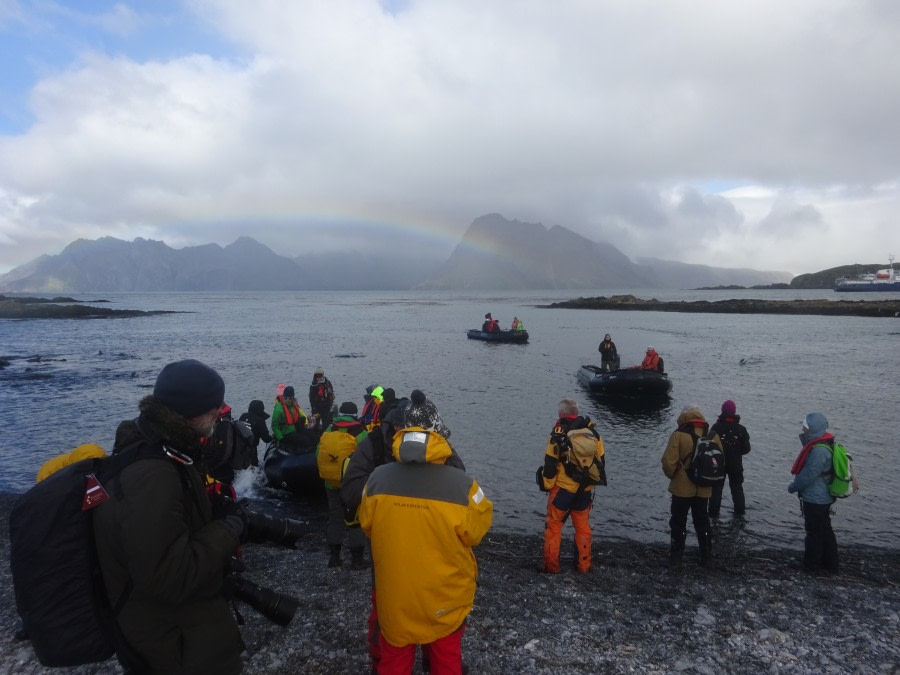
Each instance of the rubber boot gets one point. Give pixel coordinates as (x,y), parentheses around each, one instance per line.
(334,560)
(706,559)
(676,551)
(356,555)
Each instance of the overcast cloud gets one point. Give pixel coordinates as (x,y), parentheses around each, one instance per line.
(754,134)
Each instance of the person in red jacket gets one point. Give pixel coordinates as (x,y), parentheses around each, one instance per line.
(652,361)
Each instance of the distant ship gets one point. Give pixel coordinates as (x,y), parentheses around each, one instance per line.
(882,280)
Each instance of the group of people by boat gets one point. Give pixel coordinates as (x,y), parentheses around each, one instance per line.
(609,379)
(392,479)
(492,325)
(491,332)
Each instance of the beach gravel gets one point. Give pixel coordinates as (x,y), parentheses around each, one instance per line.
(756,612)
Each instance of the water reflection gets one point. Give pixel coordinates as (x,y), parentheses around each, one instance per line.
(628,411)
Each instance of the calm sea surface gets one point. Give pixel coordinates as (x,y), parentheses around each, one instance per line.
(498,400)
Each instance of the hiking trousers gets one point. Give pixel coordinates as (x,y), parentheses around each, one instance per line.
(678,521)
(444,655)
(561,504)
(336,527)
(821,551)
(736,486)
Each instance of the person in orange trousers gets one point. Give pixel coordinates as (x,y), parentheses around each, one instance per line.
(568,496)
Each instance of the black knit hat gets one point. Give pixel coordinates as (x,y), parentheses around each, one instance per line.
(388,394)
(288,392)
(348,408)
(190,388)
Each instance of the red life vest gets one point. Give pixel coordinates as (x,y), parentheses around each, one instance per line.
(292,415)
(651,361)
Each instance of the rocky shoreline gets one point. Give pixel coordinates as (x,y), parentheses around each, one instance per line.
(22,307)
(756,612)
(879,308)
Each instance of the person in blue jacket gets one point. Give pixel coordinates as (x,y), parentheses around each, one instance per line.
(812,472)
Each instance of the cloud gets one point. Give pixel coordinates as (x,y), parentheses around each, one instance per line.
(613,119)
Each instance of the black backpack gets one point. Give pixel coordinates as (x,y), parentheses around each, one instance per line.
(231,445)
(57,580)
(707,468)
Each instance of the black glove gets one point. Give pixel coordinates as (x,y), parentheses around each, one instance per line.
(233,514)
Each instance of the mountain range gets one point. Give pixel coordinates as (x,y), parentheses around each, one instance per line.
(493,254)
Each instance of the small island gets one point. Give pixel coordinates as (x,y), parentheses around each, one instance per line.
(879,308)
(21,307)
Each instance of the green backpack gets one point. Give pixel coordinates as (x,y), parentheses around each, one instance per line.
(843,482)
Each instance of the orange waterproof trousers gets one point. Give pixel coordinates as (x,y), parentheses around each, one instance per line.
(553,525)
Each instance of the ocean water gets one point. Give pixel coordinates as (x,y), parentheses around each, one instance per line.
(499,401)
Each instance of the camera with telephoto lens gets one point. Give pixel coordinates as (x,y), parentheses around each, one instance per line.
(275,606)
(263,527)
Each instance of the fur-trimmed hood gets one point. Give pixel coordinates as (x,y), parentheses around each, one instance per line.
(159,423)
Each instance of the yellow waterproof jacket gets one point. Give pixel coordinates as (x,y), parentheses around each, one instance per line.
(423,518)
(85,451)
(561,478)
(680,448)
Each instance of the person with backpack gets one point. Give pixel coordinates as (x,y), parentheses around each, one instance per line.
(813,470)
(573,466)
(230,448)
(321,397)
(735,444)
(687,495)
(336,445)
(163,546)
(256,417)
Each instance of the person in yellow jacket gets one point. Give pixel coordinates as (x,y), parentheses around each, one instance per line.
(568,496)
(686,495)
(423,518)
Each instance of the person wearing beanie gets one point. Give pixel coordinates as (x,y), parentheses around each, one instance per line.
(163,544)
(687,496)
(289,424)
(337,445)
(373,451)
(321,398)
(812,470)
(423,413)
(735,444)
(423,518)
(609,355)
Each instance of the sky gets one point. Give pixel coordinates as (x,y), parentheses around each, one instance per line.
(759,134)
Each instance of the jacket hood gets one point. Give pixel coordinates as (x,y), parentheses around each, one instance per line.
(258,408)
(158,422)
(817,424)
(415,445)
(691,414)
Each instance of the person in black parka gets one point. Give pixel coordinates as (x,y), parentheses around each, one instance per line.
(256,417)
(735,444)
